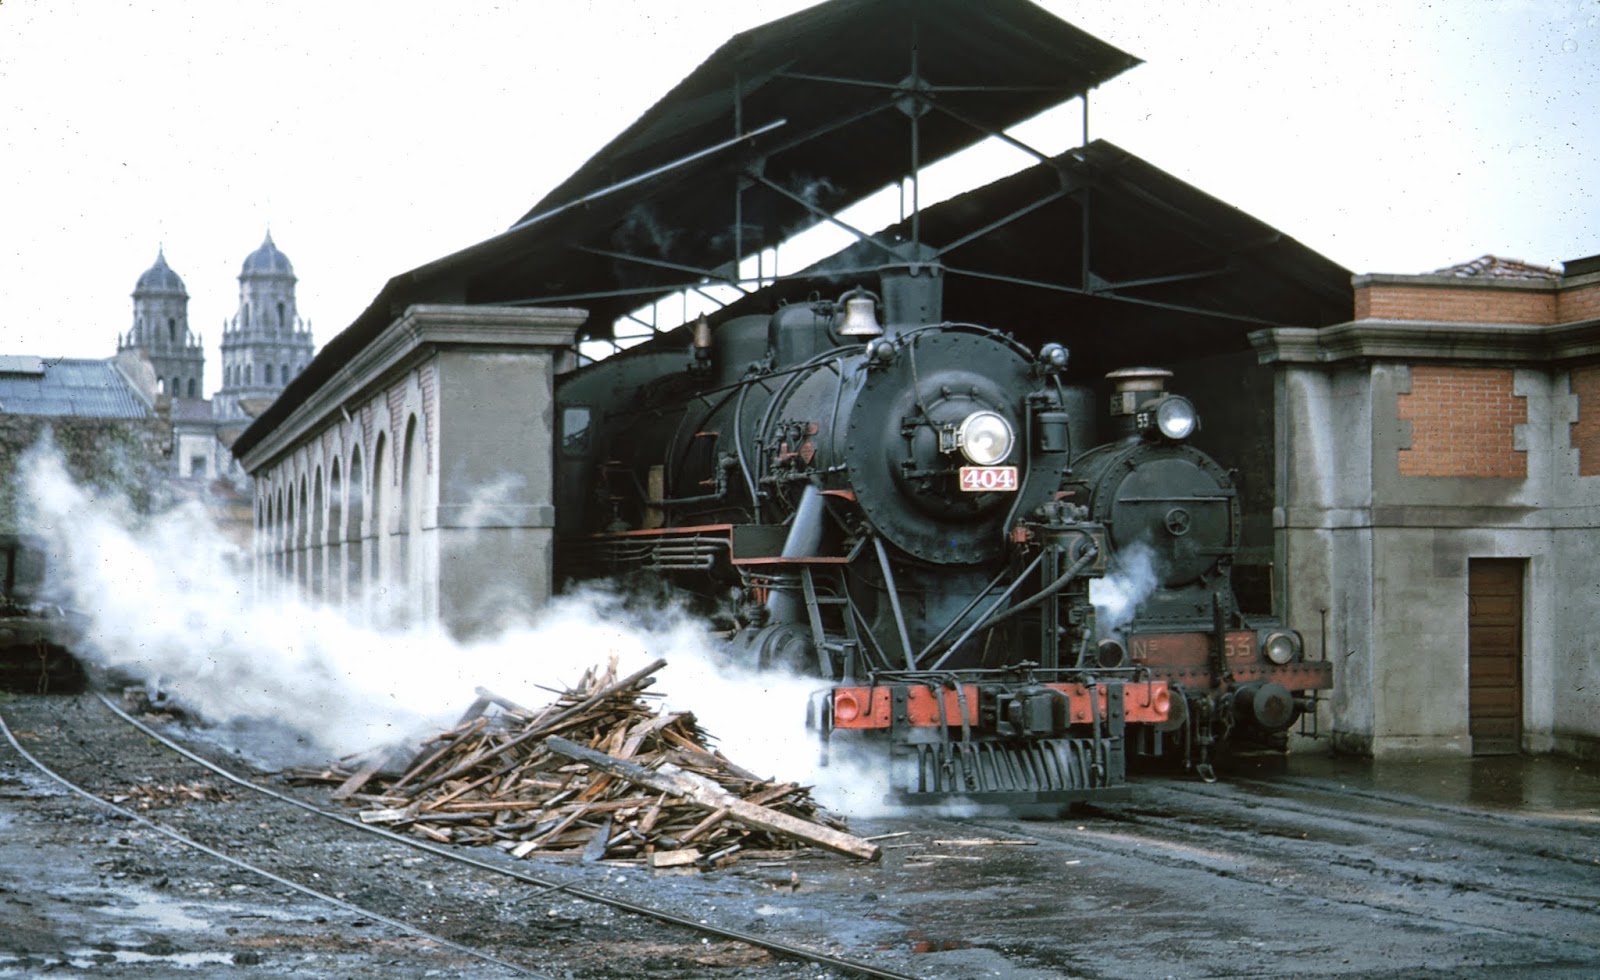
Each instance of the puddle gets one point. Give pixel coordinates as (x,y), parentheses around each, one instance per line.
(157,911)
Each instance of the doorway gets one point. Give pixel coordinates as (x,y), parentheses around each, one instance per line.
(1494,654)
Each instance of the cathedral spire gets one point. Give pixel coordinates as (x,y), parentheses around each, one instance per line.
(161,330)
(266,344)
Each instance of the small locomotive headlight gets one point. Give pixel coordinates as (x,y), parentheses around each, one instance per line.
(985,438)
(1281,648)
(880,352)
(1172,416)
(1053,357)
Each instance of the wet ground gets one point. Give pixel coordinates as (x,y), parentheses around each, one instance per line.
(1310,865)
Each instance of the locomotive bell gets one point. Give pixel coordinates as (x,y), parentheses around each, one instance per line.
(860,314)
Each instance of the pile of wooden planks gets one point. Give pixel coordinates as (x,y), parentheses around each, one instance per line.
(599,772)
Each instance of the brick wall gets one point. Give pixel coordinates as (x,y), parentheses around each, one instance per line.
(1579,303)
(1463,423)
(1585,433)
(1384,301)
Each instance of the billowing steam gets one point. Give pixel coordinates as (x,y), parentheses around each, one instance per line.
(168,600)
(1131,579)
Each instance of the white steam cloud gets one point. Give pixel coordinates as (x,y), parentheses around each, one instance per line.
(1116,597)
(169,599)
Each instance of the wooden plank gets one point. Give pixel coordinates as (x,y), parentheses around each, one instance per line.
(598,844)
(708,795)
(361,776)
(716,816)
(674,859)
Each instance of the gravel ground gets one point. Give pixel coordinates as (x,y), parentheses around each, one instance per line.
(1472,868)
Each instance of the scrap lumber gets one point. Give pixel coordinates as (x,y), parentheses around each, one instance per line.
(702,791)
(598,774)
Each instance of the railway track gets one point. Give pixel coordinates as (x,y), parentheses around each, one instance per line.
(451,903)
(1243,879)
(1475,871)
(1507,832)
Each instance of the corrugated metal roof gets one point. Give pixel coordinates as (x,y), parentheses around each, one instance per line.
(1104,251)
(801,116)
(71,388)
(21,364)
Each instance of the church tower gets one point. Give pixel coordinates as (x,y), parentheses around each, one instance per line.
(266,344)
(161,331)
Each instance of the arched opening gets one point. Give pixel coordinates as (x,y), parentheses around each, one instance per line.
(279,543)
(172,330)
(318,551)
(283,374)
(191,387)
(409,554)
(247,374)
(302,542)
(268,378)
(356,586)
(337,549)
(382,574)
(282,318)
(258,539)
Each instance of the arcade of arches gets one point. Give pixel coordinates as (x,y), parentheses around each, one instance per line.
(350,505)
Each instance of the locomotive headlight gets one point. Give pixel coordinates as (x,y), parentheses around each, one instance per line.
(1173,416)
(1281,648)
(985,438)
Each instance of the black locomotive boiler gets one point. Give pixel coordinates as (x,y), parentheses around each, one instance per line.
(906,508)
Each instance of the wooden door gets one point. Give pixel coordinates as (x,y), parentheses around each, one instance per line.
(1494,654)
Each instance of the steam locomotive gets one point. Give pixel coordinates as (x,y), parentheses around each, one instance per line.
(907,508)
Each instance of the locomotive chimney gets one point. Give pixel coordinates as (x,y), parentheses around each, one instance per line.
(1131,388)
(913,290)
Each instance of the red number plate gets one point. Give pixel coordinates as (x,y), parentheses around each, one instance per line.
(988,479)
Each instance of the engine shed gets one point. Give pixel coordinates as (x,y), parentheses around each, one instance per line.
(830,120)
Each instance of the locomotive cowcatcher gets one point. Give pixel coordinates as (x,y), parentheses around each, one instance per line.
(908,509)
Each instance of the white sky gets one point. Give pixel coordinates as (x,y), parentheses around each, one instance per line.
(1389,135)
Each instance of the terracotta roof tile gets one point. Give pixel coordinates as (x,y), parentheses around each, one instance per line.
(1495,267)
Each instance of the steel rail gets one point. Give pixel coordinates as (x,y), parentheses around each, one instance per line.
(785,949)
(254,869)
